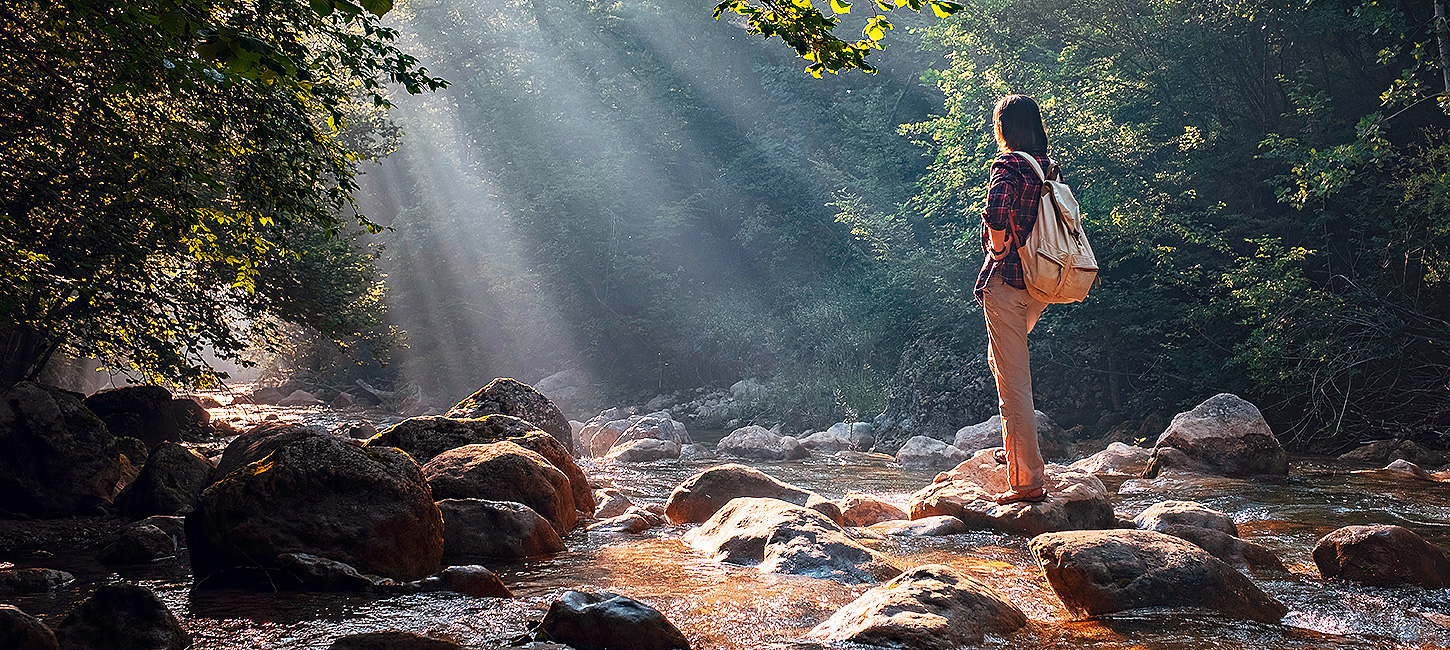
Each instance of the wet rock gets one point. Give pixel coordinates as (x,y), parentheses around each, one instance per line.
(1385,451)
(612,503)
(32,580)
(1228,548)
(861,509)
(929,453)
(265,396)
(781,537)
(1407,469)
(759,443)
(307,572)
(426,436)
(634,521)
(643,451)
(503,529)
(193,422)
(392,640)
(695,451)
(148,540)
(342,402)
(143,412)
(1104,571)
(21,631)
(1077,500)
(988,434)
(697,499)
(257,443)
(133,449)
(168,484)
(468,579)
(937,526)
(1117,460)
(824,443)
(56,457)
(599,434)
(934,391)
(1382,555)
(515,398)
(122,616)
(1185,513)
(655,426)
(304,492)
(299,397)
(931,607)
(608,621)
(359,430)
(1225,436)
(504,471)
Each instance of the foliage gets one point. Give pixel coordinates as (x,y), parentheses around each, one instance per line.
(174,173)
(811,33)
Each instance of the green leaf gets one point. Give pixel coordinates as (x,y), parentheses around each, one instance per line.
(942,9)
(883,5)
(377,7)
(322,7)
(840,7)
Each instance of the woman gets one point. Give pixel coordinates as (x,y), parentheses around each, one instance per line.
(1013,196)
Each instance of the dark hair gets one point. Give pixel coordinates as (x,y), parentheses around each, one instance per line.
(1018,123)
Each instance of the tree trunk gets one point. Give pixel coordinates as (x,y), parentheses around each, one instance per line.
(26,353)
(1442,34)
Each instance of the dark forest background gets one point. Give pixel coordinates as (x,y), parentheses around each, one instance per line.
(634,190)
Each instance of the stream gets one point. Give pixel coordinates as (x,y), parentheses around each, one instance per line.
(727,607)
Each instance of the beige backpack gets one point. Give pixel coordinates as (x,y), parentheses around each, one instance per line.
(1057,261)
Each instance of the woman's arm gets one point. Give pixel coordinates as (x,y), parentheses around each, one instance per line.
(1003,193)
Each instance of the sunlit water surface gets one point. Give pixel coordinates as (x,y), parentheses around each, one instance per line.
(733,607)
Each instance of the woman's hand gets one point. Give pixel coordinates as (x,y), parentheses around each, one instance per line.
(997,244)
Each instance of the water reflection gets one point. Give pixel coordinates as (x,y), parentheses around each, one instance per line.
(738,607)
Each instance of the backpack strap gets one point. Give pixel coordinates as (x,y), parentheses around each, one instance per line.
(1035,167)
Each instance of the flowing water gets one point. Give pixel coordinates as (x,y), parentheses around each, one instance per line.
(733,607)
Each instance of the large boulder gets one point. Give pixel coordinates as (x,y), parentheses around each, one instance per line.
(1185,513)
(1382,555)
(503,529)
(1117,460)
(599,434)
(759,443)
(426,436)
(988,434)
(1076,500)
(931,607)
(318,494)
(122,615)
(1385,451)
(1236,552)
(144,412)
(780,537)
(922,452)
(150,539)
(169,483)
(607,621)
(643,451)
(505,471)
(257,442)
(701,495)
(56,457)
(513,397)
(1224,436)
(1098,572)
(21,631)
(655,426)
(861,509)
(825,443)
(935,391)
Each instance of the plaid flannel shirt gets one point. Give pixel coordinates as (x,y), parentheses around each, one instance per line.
(1013,196)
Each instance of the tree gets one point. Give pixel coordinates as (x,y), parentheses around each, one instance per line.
(165,157)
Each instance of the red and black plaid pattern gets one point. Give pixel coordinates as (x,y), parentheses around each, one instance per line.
(1013,196)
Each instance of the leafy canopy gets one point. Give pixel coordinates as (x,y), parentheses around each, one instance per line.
(812,33)
(164,156)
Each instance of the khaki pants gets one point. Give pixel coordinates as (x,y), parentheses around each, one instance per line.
(1011,314)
